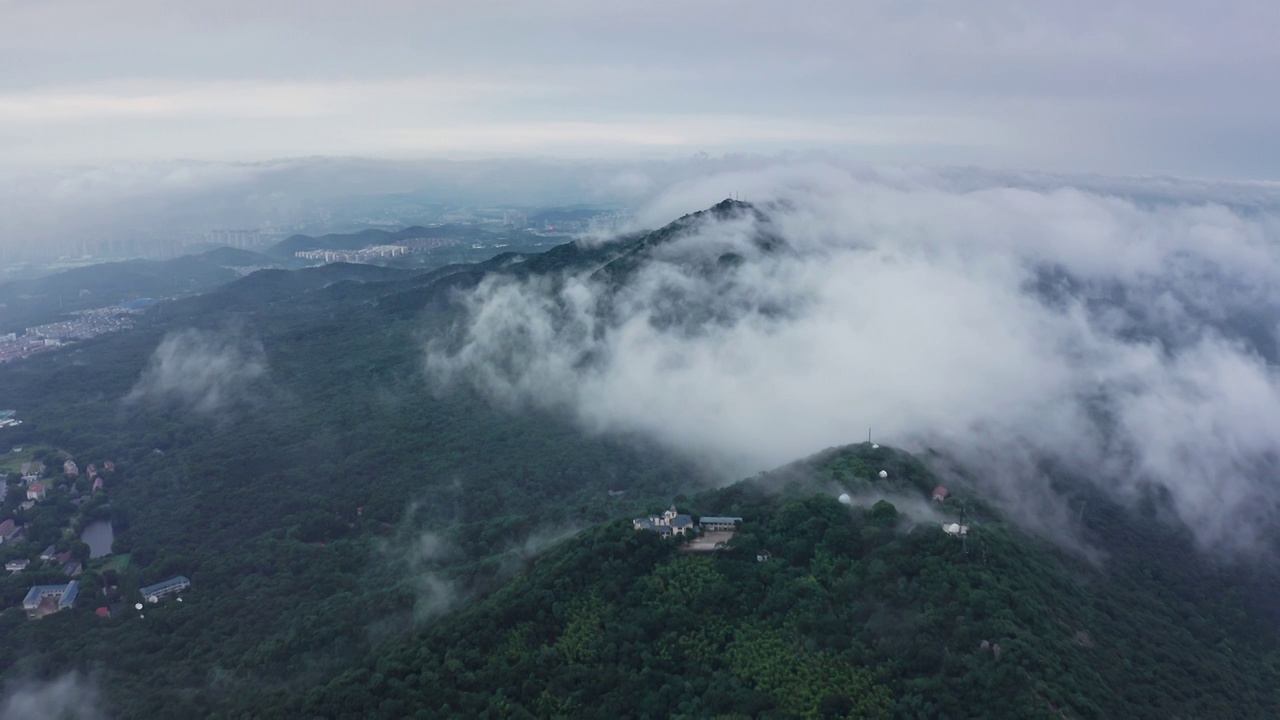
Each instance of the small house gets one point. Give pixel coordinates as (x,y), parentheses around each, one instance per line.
(940,494)
(17,565)
(667,524)
(7,529)
(36,492)
(715,523)
(70,469)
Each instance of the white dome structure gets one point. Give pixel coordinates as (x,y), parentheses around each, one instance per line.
(845,499)
(884,474)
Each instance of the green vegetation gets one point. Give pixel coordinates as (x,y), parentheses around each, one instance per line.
(24,303)
(361,546)
(859,612)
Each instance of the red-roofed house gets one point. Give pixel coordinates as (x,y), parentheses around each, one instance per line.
(939,494)
(36,492)
(102,612)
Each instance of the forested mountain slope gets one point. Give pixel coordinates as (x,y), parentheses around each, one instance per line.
(857,612)
(295,494)
(343,520)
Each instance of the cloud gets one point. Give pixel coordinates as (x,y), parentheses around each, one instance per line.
(1137,86)
(444,574)
(67,697)
(203,371)
(1115,335)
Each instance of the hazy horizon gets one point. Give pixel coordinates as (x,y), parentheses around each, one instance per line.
(1137,87)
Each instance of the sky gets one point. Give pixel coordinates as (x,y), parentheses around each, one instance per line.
(1114,86)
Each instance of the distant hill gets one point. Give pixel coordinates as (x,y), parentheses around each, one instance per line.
(33,302)
(355,241)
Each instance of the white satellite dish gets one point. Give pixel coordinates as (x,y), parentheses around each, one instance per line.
(179,599)
(845,499)
(884,473)
(153,599)
(138,606)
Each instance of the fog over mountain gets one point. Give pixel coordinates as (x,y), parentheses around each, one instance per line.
(201,371)
(1121,329)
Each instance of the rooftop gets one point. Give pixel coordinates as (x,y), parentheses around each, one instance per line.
(165,585)
(66,595)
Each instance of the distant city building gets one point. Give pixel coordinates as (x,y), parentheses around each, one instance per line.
(159,591)
(70,469)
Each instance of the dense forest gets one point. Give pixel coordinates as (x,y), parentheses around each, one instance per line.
(361,543)
(818,609)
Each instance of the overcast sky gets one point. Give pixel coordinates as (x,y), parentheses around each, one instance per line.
(1137,86)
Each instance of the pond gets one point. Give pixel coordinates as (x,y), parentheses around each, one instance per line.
(98,535)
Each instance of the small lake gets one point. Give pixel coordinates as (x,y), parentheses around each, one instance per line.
(98,535)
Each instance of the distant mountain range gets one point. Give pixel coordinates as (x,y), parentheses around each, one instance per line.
(32,302)
(355,241)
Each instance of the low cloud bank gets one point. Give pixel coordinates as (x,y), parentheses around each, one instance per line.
(1122,335)
(203,371)
(67,697)
(431,562)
